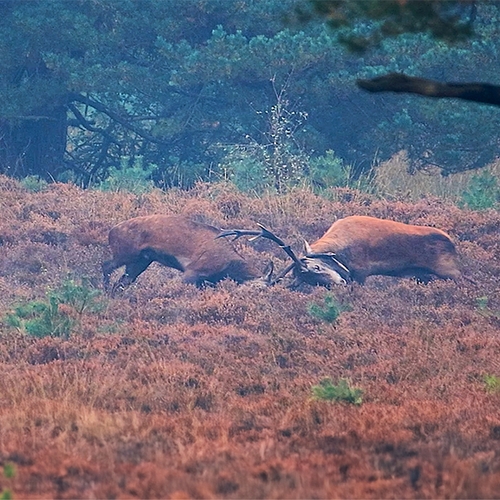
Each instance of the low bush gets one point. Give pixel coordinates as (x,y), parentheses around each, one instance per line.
(492,383)
(58,314)
(483,192)
(341,392)
(329,311)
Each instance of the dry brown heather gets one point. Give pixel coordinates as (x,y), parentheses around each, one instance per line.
(173,392)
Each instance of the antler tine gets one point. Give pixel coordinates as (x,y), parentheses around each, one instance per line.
(283,273)
(344,268)
(263,233)
(238,233)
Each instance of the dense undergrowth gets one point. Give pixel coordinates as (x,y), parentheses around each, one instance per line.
(173,392)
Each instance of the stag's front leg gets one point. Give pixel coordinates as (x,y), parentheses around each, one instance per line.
(131,273)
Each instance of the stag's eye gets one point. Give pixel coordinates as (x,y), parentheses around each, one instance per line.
(316,267)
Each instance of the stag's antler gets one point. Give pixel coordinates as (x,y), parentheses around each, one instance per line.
(297,263)
(264,233)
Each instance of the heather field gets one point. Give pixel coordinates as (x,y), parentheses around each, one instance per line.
(167,391)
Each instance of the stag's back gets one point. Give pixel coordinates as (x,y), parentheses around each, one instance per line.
(168,234)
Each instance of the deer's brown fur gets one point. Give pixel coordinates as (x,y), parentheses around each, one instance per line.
(177,242)
(369,246)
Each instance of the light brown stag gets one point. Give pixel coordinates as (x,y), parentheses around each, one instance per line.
(359,246)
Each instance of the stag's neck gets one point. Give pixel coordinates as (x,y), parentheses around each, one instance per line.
(322,246)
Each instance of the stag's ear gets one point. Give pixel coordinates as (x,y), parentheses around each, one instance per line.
(307,248)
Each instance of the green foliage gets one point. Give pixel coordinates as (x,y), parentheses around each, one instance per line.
(80,296)
(328,170)
(245,169)
(154,80)
(329,311)
(342,392)
(6,495)
(492,383)
(135,178)
(42,318)
(448,20)
(34,184)
(275,160)
(9,472)
(176,172)
(482,193)
(284,159)
(482,304)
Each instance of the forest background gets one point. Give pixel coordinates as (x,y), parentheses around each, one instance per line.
(113,93)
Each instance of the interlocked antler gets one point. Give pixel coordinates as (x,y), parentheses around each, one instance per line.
(263,233)
(297,263)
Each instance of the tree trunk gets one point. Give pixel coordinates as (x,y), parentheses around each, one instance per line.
(35,145)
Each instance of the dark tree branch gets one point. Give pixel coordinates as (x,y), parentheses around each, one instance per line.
(88,126)
(398,82)
(124,122)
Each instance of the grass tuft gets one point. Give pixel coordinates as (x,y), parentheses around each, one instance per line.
(340,392)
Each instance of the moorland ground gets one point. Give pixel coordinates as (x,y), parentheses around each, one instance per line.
(168,391)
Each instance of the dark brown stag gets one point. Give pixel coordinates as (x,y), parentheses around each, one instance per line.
(177,242)
(358,246)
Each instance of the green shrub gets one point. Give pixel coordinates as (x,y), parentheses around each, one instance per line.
(492,383)
(184,174)
(9,472)
(327,391)
(328,171)
(483,192)
(34,184)
(6,495)
(135,178)
(329,311)
(81,297)
(482,303)
(246,170)
(40,319)
(275,159)
(46,318)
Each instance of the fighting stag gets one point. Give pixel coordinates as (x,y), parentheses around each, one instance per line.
(179,243)
(359,246)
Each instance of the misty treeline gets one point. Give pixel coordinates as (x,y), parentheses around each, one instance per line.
(187,91)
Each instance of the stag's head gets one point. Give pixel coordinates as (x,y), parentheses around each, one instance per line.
(317,271)
(322,269)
